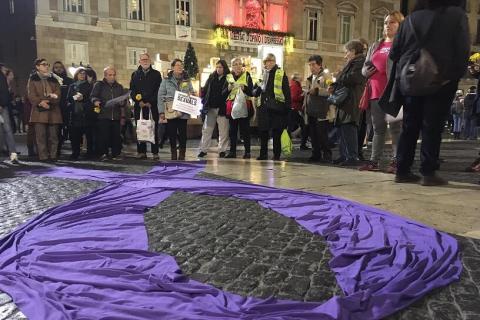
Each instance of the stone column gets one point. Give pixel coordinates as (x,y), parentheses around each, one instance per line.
(43,11)
(366,19)
(104,14)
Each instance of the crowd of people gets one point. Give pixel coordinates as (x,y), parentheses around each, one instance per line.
(365,98)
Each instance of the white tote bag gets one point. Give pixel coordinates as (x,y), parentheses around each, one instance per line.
(239,108)
(146,128)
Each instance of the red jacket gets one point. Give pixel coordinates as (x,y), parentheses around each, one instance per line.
(297,95)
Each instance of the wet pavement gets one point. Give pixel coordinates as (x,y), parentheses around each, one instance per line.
(241,247)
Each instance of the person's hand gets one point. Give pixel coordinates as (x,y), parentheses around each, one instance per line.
(44,104)
(97,104)
(141,104)
(370,71)
(331,89)
(52,96)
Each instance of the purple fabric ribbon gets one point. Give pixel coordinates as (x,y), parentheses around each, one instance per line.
(89,259)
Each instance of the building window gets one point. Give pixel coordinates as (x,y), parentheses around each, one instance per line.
(133,55)
(73,6)
(11,6)
(76,52)
(345,28)
(313,17)
(378,29)
(183,12)
(135,9)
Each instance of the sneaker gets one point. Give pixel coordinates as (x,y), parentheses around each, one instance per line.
(116,158)
(156,157)
(141,156)
(231,155)
(370,166)
(247,156)
(434,180)
(407,178)
(222,154)
(392,167)
(202,154)
(14,158)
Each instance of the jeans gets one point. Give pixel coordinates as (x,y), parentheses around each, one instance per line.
(427,115)
(457,123)
(7,130)
(471,127)
(380,131)
(348,141)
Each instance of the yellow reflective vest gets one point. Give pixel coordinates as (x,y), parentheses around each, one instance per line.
(240,81)
(277,85)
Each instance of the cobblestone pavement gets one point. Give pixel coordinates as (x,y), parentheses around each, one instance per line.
(235,245)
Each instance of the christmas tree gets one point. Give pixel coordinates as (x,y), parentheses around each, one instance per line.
(190,61)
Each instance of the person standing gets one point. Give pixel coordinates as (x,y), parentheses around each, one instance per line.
(79,103)
(65,81)
(348,113)
(317,109)
(44,94)
(470,104)
(238,80)
(111,116)
(5,122)
(457,111)
(214,105)
(91,118)
(275,103)
(177,80)
(296,116)
(144,85)
(449,45)
(377,69)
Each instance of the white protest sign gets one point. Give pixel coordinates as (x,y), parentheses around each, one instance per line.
(187,104)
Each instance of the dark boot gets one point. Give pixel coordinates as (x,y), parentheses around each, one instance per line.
(173,151)
(181,154)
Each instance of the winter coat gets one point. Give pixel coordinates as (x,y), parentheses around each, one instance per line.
(448,41)
(469,104)
(80,112)
(215,94)
(147,85)
(315,100)
(269,119)
(4,92)
(38,90)
(168,88)
(352,78)
(297,95)
(103,92)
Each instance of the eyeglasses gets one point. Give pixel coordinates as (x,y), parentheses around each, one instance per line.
(44,64)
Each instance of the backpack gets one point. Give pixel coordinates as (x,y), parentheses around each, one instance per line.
(420,76)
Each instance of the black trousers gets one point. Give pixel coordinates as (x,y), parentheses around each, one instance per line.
(177,128)
(319,137)
(296,120)
(244,125)
(427,115)
(76,134)
(109,135)
(362,131)
(277,144)
(142,146)
(91,136)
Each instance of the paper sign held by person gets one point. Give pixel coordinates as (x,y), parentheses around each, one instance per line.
(187,104)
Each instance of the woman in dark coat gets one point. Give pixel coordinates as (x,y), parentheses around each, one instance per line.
(444,26)
(78,99)
(272,122)
(348,114)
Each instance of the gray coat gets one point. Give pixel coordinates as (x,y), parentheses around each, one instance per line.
(368,59)
(168,88)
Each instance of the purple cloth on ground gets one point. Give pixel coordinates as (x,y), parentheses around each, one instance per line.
(88,259)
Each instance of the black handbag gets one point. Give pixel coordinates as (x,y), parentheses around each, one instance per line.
(339,96)
(316,106)
(275,106)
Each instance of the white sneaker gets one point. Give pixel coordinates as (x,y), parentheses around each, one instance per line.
(13,158)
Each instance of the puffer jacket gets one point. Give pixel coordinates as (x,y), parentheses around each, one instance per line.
(168,88)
